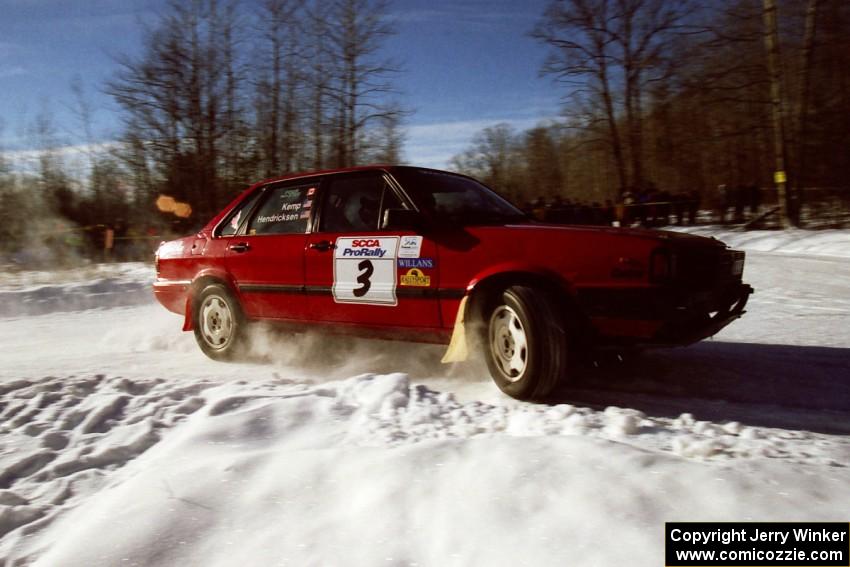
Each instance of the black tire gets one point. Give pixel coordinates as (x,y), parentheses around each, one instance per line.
(218,323)
(525,342)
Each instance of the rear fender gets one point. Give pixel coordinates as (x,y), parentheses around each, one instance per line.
(202,279)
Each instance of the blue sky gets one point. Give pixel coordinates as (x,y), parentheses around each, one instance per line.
(467,65)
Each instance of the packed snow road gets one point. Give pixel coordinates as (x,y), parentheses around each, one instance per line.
(123,444)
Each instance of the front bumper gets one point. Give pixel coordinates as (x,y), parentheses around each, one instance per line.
(689,324)
(662,315)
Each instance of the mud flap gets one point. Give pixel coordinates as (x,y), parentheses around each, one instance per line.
(187,322)
(458,350)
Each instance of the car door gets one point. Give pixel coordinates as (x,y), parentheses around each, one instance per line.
(266,255)
(357,273)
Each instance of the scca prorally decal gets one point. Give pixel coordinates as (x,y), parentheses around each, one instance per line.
(365,247)
(426,263)
(365,270)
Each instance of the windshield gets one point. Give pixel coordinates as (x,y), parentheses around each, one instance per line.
(449,198)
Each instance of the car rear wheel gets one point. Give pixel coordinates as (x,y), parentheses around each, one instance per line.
(218,323)
(526,343)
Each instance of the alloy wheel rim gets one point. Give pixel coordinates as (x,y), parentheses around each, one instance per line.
(508,343)
(216,322)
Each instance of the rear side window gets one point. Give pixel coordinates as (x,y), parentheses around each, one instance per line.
(455,199)
(285,210)
(231,224)
(355,203)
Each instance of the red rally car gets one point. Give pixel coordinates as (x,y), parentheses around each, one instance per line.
(429,256)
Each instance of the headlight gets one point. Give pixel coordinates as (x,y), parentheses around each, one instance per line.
(662,265)
(738,264)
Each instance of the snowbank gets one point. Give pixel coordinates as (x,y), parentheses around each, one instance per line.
(833,242)
(89,287)
(374,470)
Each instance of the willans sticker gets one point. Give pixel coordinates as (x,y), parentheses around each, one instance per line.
(426,263)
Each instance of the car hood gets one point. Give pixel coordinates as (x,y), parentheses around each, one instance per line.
(678,238)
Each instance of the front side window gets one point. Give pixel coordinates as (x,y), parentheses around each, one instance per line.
(286,210)
(355,203)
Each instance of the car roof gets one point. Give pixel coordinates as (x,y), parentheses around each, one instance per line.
(319,173)
(371,167)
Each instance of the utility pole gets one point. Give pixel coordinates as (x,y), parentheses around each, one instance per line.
(771,42)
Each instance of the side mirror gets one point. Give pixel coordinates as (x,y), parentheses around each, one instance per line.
(402,219)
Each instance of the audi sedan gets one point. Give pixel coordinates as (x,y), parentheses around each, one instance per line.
(417,254)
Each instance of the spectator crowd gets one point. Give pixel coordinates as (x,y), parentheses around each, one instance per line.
(650,208)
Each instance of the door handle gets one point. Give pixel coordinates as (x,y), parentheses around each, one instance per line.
(322,245)
(241,247)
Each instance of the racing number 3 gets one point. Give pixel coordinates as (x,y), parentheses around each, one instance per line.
(366,270)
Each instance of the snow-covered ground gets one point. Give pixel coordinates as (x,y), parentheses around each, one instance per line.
(121,444)
(833,242)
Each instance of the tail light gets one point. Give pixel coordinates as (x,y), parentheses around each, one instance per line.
(156,258)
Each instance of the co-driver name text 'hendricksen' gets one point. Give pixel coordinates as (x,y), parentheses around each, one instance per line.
(743,534)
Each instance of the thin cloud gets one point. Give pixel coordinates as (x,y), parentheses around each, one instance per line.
(9,49)
(459,14)
(434,145)
(74,158)
(12,71)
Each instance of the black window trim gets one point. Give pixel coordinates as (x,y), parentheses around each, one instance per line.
(321,181)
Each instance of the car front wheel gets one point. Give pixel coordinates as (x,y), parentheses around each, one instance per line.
(526,343)
(218,323)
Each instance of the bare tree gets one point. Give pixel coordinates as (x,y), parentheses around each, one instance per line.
(542,156)
(643,30)
(802,118)
(656,91)
(281,23)
(357,30)
(237,143)
(609,50)
(319,70)
(11,205)
(582,40)
(494,157)
(179,100)
(384,143)
(771,42)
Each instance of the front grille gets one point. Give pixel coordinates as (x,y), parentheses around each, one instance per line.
(704,269)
